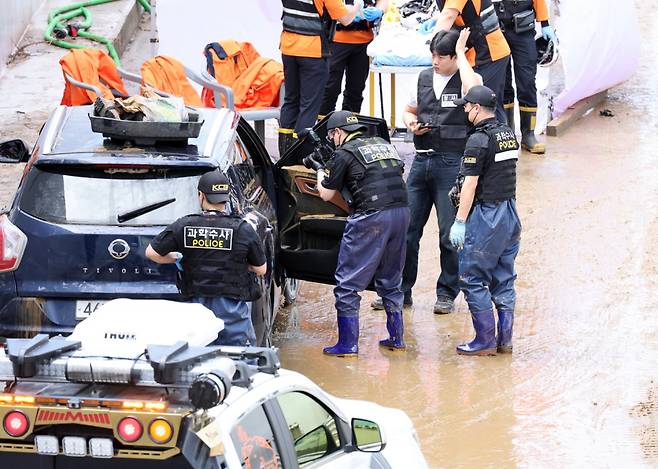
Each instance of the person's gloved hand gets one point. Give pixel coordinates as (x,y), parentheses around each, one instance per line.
(457,234)
(179,257)
(312,163)
(373,14)
(428,26)
(357,18)
(548,33)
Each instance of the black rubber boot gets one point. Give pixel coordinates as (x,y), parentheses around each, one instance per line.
(286,140)
(509,113)
(528,138)
(505,327)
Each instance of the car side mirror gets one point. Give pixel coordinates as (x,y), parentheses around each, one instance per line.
(367,436)
(14,151)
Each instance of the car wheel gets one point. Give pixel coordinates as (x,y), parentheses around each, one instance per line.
(290,290)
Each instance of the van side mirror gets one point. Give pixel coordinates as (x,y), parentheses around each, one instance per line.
(366,436)
(14,151)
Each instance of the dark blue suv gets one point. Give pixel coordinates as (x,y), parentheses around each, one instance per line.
(87,207)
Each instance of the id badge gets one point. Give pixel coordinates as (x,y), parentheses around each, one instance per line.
(448,100)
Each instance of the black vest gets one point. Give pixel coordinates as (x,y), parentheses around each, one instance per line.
(505,9)
(449,131)
(301,17)
(362,25)
(382,185)
(498,180)
(215,259)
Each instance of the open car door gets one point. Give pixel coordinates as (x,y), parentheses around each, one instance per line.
(310,229)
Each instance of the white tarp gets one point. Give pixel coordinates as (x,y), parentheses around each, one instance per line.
(599,46)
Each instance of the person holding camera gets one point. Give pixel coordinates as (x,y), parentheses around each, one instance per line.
(517,21)
(440,132)
(374,241)
(219,256)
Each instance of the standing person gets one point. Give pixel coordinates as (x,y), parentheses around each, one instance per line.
(373,244)
(517,20)
(349,58)
(491,50)
(308,27)
(487,228)
(221,257)
(439,138)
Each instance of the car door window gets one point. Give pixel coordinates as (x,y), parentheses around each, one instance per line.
(313,428)
(249,179)
(254,441)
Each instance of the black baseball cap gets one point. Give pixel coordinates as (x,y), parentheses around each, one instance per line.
(215,185)
(344,120)
(478,95)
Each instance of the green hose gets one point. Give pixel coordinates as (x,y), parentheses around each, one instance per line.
(58,17)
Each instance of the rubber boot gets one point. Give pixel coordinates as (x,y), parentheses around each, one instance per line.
(348,338)
(395,328)
(509,112)
(286,140)
(528,138)
(484,343)
(505,323)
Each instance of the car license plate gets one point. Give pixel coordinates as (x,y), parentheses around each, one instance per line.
(84,308)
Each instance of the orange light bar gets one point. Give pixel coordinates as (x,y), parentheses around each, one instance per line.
(6,398)
(46,400)
(132,405)
(156,406)
(24,399)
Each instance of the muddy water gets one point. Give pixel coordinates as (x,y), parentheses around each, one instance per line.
(581,389)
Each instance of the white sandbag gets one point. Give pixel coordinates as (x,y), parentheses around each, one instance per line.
(124,327)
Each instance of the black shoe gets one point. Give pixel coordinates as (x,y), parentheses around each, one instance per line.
(444,305)
(378,304)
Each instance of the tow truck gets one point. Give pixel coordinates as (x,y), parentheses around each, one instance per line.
(153,393)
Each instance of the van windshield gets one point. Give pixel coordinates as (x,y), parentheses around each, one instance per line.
(97,196)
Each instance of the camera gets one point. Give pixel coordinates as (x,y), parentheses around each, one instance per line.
(321,153)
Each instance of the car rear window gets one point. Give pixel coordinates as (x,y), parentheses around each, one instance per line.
(98,196)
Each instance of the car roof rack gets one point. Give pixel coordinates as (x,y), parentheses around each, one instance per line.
(147,133)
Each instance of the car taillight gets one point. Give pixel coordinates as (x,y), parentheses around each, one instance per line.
(160,431)
(130,429)
(12,245)
(16,423)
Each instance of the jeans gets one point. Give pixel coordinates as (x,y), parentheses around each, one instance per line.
(236,314)
(372,249)
(430,179)
(486,263)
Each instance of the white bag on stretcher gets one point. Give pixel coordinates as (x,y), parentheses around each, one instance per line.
(124,327)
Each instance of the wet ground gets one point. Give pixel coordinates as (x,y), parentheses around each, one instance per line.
(581,389)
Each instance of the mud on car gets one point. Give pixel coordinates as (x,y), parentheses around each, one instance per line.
(87,207)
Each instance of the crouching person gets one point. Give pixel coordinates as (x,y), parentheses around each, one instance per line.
(374,241)
(219,256)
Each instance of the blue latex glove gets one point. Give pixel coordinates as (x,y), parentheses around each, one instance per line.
(548,33)
(372,14)
(357,18)
(457,234)
(428,26)
(179,257)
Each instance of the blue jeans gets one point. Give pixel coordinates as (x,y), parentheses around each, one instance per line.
(486,264)
(372,248)
(236,314)
(430,180)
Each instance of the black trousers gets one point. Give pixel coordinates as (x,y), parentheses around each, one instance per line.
(493,76)
(305,80)
(351,60)
(524,60)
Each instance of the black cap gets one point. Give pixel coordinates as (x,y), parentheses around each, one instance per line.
(215,185)
(344,120)
(478,95)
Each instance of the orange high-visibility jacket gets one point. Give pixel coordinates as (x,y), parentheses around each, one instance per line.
(91,66)
(168,74)
(255,80)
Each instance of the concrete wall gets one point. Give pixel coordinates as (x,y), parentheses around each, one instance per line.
(14,17)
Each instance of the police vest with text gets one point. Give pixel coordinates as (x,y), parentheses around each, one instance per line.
(301,17)
(498,180)
(362,25)
(448,132)
(382,185)
(215,259)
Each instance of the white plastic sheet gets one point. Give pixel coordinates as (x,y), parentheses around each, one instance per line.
(124,327)
(599,46)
